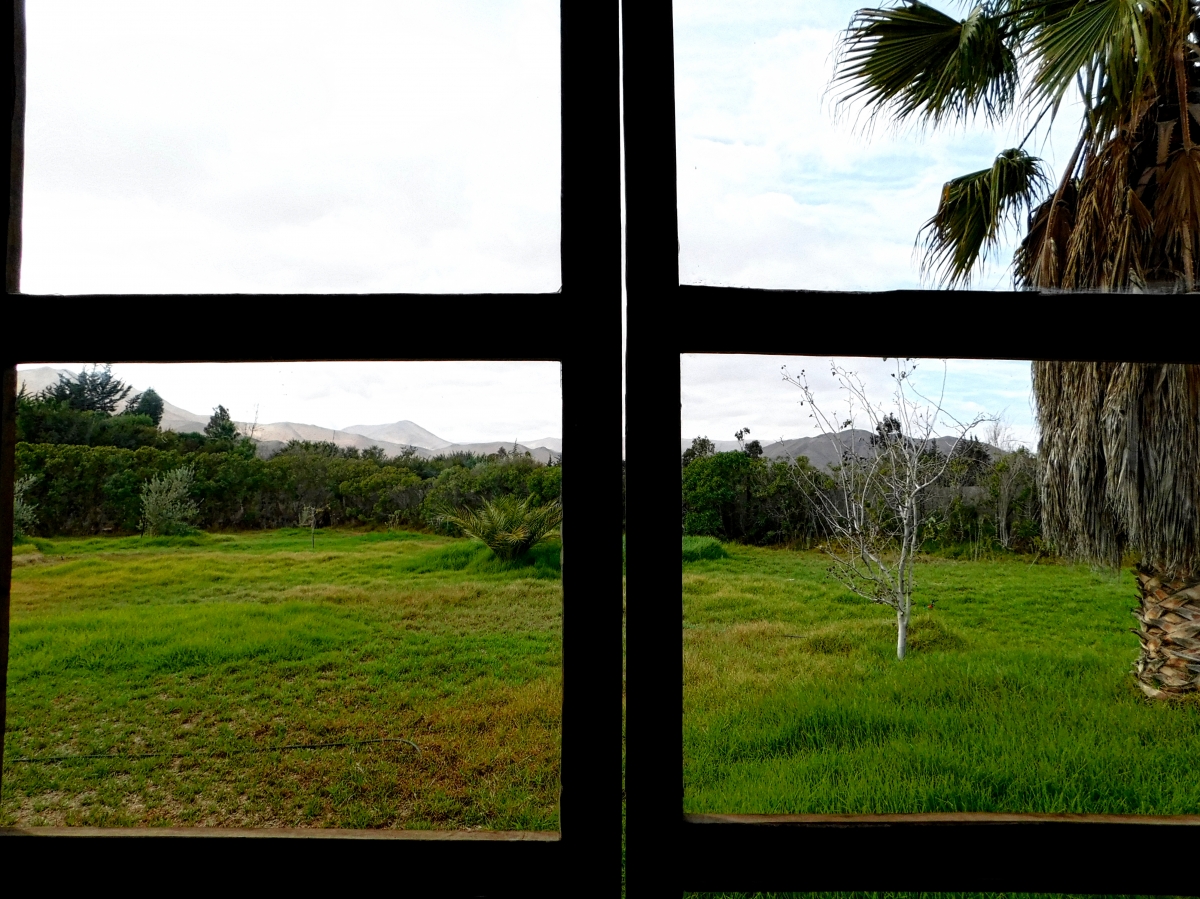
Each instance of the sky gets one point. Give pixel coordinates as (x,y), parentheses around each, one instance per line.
(395,146)
(775,191)
(462,402)
(721,394)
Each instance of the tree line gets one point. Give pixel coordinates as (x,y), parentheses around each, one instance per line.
(83,468)
(743,496)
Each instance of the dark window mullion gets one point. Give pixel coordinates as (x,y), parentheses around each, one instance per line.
(574,325)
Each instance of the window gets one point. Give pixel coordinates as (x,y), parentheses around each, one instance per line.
(565,326)
(667,319)
(393,148)
(299,595)
(796,131)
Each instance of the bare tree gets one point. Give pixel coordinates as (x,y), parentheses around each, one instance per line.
(999,434)
(870,504)
(1010,470)
(252,429)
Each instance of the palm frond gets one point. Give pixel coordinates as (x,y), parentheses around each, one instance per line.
(1040,259)
(917,61)
(1177,212)
(1112,227)
(1112,45)
(972,212)
(507,525)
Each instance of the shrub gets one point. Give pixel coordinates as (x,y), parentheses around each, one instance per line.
(508,526)
(24,516)
(167,510)
(697,548)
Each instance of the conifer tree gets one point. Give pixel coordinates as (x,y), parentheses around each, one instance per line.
(147,403)
(89,391)
(220,426)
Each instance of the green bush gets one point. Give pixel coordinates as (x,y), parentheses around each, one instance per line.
(24,516)
(507,526)
(167,508)
(697,548)
(735,496)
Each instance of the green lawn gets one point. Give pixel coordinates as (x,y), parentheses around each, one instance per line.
(212,651)
(1016,695)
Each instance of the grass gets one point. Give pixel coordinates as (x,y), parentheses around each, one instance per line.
(696,549)
(211,651)
(1016,695)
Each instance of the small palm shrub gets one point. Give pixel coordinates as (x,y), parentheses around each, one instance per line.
(167,509)
(508,526)
(24,514)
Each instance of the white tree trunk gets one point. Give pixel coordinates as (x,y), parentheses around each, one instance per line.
(901,633)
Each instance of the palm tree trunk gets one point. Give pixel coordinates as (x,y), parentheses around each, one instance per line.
(1169,631)
(1184,117)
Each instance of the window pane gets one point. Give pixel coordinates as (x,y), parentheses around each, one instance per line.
(215,629)
(779,188)
(292,147)
(867,583)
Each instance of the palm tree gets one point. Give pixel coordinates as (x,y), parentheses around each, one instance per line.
(1125,212)
(507,525)
(1120,469)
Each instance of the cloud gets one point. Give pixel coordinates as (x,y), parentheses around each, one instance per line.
(196,156)
(722,393)
(778,187)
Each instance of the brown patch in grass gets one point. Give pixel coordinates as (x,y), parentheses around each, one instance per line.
(335,593)
(753,633)
(829,640)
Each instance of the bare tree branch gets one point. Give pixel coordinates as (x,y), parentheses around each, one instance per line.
(871,504)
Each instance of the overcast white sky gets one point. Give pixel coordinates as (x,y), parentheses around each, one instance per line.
(773,193)
(463,402)
(721,394)
(292,146)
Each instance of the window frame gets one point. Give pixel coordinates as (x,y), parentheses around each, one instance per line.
(481,327)
(956,852)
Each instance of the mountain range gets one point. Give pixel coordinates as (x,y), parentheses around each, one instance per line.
(394,438)
(823,450)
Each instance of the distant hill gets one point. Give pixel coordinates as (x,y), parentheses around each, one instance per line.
(38,379)
(824,450)
(408,433)
(283,431)
(394,438)
(550,443)
(181,420)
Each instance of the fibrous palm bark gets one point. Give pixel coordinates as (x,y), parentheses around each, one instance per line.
(1120,469)
(1169,630)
